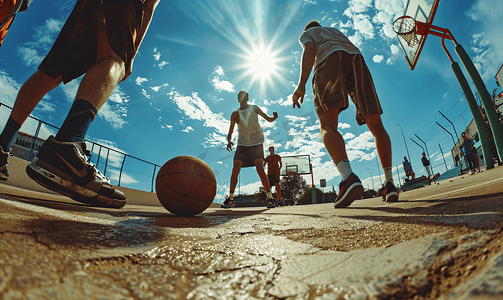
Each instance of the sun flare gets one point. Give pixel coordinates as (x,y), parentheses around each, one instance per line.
(262,64)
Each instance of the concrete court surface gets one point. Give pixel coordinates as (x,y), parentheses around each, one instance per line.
(438,242)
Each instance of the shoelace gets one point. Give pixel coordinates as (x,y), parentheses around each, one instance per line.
(84,153)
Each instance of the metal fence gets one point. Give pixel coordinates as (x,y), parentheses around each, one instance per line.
(123,169)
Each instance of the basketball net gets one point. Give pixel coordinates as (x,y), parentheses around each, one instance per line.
(405,27)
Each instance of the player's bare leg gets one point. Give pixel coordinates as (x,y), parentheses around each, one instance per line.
(332,139)
(236,168)
(261,173)
(383,145)
(259,165)
(278,190)
(100,80)
(30,94)
(350,187)
(383,142)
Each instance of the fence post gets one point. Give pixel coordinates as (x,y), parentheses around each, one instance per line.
(35,139)
(106,162)
(153,176)
(122,166)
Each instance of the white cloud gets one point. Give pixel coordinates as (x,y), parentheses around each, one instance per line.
(378,58)
(9,88)
(112,114)
(216,79)
(33,52)
(195,108)
(159,87)
(162,64)
(188,129)
(394,49)
(140,80)
(488,44)
(348,136)
(364,141)
(343,126)
(29,55)
(157,54)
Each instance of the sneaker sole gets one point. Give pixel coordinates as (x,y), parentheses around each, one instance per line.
(392,197)
(271,206)
(70,189)
(354,192)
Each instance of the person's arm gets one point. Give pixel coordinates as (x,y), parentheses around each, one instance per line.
(280,163)
(234,121)
(306,65)
(148,11)
(263,115)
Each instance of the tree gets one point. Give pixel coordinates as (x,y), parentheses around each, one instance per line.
(293,188)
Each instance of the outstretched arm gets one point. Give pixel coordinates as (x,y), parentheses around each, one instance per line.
(234,121)
(306,65)
(266,117)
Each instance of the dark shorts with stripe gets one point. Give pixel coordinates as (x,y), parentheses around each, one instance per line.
(341,75)
(273,179)
(75,49)
(248,155)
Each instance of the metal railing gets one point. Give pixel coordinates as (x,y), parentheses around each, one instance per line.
(130,174)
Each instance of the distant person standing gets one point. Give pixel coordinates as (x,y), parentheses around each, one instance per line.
(467,148)
(250,149)
(407,167)
(340,72)
(273,171)
(426,164)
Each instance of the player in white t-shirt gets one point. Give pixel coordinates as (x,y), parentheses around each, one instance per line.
(340,71)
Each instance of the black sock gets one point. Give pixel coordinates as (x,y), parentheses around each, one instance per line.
(77,122)
(9,133)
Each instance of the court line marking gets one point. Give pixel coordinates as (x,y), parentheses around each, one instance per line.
(462,189)
(57,213)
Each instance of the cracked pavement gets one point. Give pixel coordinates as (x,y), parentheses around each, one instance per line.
(438,242)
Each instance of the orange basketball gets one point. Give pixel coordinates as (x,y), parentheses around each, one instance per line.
(185,185)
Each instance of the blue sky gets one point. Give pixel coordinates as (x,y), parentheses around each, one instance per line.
(199,54)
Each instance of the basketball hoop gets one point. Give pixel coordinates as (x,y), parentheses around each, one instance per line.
(405,26)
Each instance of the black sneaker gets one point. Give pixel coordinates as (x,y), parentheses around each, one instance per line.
(228,203)
(4,173)
(63,167)
(349,190)
(389,192)
(270,204)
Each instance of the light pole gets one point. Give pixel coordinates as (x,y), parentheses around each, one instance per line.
(404,141)
(373,188)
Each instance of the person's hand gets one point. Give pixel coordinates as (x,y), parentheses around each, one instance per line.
(229,146)
(275,114)
(299,93)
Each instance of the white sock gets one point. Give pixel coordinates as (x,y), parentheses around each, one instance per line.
(344,169)
(388,175)
(231,196)
(268,195)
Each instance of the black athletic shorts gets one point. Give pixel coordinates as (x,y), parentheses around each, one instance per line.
(273,179)
(248,155)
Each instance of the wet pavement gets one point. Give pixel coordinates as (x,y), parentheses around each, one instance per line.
(438,242)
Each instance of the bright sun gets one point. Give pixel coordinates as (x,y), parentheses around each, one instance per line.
(261,63)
